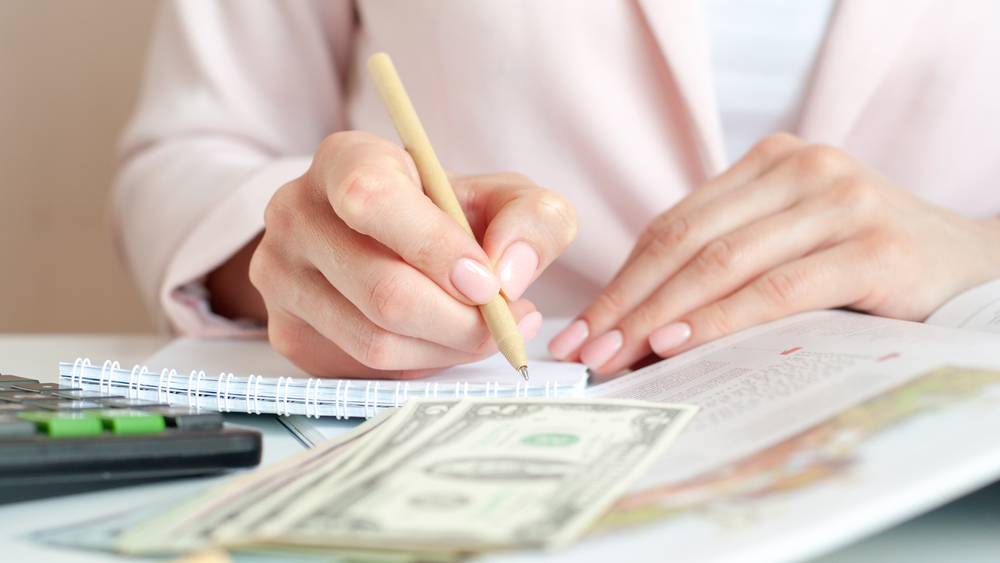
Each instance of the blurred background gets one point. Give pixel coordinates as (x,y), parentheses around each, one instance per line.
(69,77)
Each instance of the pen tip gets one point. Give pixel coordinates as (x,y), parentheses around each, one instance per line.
(524,371)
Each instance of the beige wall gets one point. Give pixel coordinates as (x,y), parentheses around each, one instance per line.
(69,73)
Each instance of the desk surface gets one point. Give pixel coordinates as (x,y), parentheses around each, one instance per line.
(964,531)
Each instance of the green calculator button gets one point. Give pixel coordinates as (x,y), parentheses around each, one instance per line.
(64,423)
(127,421)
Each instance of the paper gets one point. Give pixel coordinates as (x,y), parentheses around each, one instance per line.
(975,309)
(767,384)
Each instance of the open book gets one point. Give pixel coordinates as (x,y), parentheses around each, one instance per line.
(814,431)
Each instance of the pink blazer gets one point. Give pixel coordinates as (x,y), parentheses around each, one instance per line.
(609,102)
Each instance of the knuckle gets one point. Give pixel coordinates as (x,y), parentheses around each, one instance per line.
(858,194)
(558,214)
(719,257)
(390,298)
(513,178)
(677,232)
(612,302)
(644,319)
(719,319)
(292,206)
(281,212)
(655,229)
(820,160)
(361,194)
(335,143)
(261,270)
(287,339)
(782,287)
(774,146)
(376,347)
(427,252)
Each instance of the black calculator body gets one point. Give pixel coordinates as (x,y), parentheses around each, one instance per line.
(56,441)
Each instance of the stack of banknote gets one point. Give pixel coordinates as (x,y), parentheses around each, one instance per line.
(432,480)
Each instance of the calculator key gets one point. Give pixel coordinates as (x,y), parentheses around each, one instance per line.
(8,380)
(128,421)
(42,387)
(64,423)
(14,427)
(66,405)
(22,397)
(129,402)
(187,418)
(80,394)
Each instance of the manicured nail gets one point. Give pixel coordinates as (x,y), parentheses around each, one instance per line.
(474,280)
(530,325)
(569,339)
(669,337)
(598,352)
(516,268)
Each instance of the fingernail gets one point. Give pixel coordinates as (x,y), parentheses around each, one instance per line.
(530,325)
(669,337)
(598,352)
(516,269)
(569,339)
(474,280)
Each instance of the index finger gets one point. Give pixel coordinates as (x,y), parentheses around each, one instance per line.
(371,188)
(523,227)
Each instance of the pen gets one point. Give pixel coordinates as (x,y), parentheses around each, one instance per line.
(496,313)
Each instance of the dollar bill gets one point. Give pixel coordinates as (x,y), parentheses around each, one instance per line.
(489,474)
(404,425)
(236,508)
(189,525)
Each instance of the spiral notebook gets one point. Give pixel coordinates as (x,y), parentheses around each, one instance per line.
(249,376)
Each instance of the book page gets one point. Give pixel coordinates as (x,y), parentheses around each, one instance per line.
(768,383)
(975,309)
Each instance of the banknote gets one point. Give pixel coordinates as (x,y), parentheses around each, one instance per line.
(406,423)
(236,508)
(189,525)
(431,480)
(489,474)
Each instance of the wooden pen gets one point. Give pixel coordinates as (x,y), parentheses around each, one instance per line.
(496,313)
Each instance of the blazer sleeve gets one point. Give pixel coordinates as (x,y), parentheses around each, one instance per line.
(236,96)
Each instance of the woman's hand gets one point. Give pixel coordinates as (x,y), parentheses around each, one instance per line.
(362,275)
(789,228)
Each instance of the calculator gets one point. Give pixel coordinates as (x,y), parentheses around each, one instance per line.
(57,440)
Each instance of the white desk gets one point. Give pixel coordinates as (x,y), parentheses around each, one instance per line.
(965,531)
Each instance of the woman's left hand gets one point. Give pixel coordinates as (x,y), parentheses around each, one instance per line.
(791,227)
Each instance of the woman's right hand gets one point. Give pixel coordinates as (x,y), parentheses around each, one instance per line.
(363,276)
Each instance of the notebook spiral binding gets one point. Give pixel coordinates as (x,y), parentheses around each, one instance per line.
(285,396)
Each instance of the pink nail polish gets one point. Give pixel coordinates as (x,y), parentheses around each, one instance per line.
(567,341)
(530,325)
(665,339)
(474,280)
(598,352)
(516,268)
